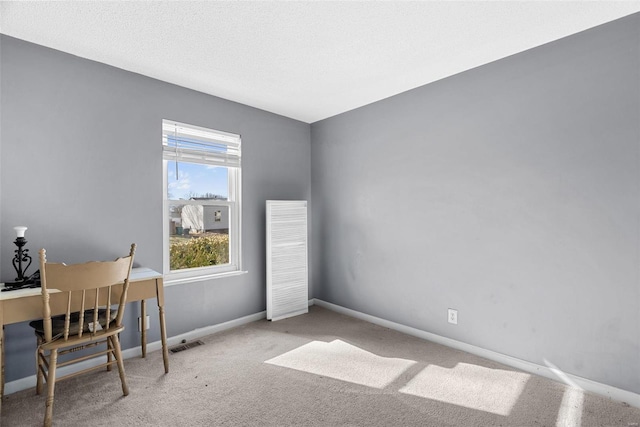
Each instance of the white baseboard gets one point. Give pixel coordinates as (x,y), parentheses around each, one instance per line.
(29,382)
(550,372)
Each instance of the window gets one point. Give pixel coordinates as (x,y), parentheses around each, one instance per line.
(201,174)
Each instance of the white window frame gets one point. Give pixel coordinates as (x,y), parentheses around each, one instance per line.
(233,166)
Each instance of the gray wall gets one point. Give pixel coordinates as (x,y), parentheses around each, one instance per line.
(513,190)
(514,193)
(81,166)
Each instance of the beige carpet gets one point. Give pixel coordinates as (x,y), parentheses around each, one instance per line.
(319,369)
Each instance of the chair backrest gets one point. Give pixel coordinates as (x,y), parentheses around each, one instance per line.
(93,290)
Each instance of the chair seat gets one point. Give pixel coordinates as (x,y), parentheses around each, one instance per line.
(57,322)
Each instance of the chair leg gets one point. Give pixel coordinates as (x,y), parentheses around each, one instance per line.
(118,355)
(109,355)
(39,375)
(51,384)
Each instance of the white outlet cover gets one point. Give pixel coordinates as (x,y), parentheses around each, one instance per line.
(147,323)
(452,316)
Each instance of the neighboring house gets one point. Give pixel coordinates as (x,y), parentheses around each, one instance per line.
(203,218)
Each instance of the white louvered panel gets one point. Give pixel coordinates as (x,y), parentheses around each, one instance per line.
(287,272)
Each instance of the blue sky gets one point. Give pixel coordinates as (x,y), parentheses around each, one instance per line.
(196,179)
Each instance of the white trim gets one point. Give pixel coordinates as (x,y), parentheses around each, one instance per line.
(168,126)
(203,332)
(613,393)
(165,218)
(30,381)
(232,162)
(550,372)
(208,202)
(193,279)
(235,217)
(199,273)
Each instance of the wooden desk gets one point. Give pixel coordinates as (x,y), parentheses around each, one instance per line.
(26,304)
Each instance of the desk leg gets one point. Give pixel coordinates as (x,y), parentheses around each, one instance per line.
(1,359)
(143,326)
(163,329)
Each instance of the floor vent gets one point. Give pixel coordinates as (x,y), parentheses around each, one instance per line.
(187,346)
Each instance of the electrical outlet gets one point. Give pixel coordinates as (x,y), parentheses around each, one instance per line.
(452,316)
(146,323)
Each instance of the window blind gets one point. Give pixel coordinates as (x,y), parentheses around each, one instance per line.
(188,143)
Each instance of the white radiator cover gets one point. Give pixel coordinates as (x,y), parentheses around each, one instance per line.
(287,270)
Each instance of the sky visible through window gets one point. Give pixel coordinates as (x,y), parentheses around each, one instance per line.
(196,180)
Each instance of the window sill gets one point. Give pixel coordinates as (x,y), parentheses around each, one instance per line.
(192,279)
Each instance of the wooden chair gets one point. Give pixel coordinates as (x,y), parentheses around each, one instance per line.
(96,295)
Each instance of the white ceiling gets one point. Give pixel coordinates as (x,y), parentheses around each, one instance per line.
(305,60)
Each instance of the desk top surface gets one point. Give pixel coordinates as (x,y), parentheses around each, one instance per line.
(137,274)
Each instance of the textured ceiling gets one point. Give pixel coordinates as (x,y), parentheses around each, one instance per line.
(305,60)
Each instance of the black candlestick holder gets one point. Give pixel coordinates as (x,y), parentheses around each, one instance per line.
(21,257)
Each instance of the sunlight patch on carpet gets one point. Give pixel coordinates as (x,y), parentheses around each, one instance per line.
(343,361)
(570,412)
(471,386)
